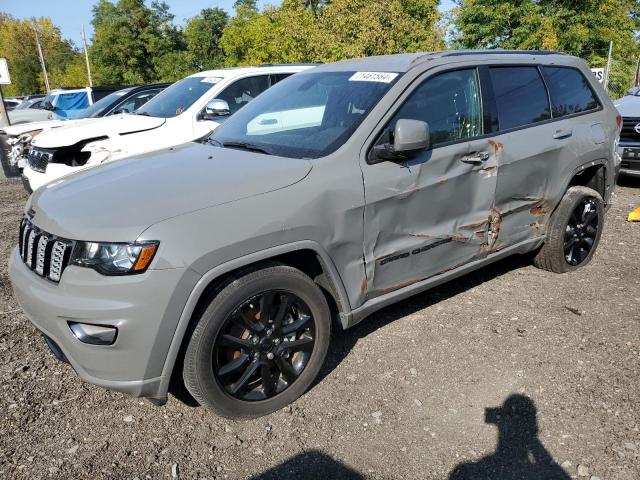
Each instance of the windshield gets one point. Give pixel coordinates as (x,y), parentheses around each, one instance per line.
(98,108)
(178,97)
(306,116)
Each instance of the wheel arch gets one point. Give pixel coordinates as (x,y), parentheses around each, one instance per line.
(308,256)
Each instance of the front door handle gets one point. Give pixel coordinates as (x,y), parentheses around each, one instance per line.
(562,134)
(475,158)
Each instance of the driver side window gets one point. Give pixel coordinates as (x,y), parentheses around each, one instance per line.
(449,102)
(242,91)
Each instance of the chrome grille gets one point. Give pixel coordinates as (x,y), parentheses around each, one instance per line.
(629,132)
(39,158)
(45,254)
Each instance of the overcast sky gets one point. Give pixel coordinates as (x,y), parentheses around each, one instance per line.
(69,15)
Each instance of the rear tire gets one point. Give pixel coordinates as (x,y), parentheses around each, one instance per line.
(574,231)
(259,344)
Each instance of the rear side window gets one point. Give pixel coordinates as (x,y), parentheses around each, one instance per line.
(569,90)
(521,97)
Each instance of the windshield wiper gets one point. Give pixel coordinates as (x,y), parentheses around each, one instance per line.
(244,146)
(144,114)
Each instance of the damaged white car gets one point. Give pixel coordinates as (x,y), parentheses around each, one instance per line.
(186,111)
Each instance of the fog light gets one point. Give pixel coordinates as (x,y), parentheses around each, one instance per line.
(94,334)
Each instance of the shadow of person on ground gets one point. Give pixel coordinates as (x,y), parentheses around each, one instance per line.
(310,465)
(519,454)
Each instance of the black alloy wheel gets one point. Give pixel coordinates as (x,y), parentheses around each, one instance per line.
(582,230)
(257,342)
(264,345)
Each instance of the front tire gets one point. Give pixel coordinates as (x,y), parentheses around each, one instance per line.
(574,231)
(259,344)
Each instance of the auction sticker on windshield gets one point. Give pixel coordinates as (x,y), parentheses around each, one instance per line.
(382,77)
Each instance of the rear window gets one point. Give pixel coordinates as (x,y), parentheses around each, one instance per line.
(569,90)
(521,97)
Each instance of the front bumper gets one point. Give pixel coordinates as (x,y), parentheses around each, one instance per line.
(630,164)
(142,307)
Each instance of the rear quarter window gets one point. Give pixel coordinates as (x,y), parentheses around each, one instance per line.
(569,90)
(521,98)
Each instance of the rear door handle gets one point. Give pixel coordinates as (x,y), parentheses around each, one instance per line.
(475,158)
(562,134)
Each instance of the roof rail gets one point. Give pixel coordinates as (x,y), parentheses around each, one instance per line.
(458,53)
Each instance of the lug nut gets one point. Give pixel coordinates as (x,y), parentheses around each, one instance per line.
(276,341)
(269,331)
(270,356)
(254,339)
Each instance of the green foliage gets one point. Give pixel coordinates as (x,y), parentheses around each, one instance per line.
(583,28)
(130,40)
(18,46)
(301,31)
(203,34)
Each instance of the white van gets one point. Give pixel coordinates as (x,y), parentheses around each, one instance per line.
(181,113)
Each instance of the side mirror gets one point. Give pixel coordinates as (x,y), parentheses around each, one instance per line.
(48,106)
(409,137)
(214,109)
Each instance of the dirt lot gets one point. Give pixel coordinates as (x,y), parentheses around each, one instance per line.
(403,395)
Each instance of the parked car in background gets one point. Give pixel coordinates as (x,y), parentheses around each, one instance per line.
(11,104)
(31,103)
(59,103)
(335,193)
(629,147)
(17,138)
(187,110)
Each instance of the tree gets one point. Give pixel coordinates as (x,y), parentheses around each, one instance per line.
(203,35)
(18,46)
(302,31)
(583,28)
(130,40)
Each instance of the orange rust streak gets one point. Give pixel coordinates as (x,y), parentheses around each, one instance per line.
(539,210)
(496,145)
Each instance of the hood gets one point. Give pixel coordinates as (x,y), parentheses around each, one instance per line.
(628,106)
(28,127)
(116,202)
(111,126)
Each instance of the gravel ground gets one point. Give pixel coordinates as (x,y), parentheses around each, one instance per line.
(403,395)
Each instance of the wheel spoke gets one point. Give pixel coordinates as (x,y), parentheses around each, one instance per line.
(591,218)
(244,321)
(242,381)
(576,216)
(231,341)
(269,380)
(233,365)
(569,244)
(266,305)
(304,344)
(296,325)
(287,370)
(282,310)
(587,243)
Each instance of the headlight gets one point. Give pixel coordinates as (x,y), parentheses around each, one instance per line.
(114,258)
(25,137)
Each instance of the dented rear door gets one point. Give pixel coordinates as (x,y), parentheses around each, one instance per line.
(431,213)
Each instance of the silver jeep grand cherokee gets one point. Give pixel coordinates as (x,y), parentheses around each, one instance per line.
(340,190)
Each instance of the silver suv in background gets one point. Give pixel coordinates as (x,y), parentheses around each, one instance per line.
(629,147)
(340,190)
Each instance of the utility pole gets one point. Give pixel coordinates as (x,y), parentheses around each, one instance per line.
(86,56)
(44,67)
(606,72)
